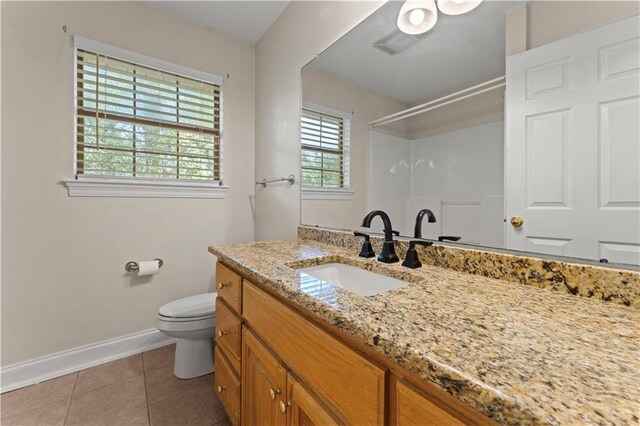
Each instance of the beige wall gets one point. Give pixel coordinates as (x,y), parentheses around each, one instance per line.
(547,21)
(302,31)
(63,279)
(328,90)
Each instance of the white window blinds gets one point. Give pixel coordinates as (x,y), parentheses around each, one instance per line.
(325,147)
(137,121)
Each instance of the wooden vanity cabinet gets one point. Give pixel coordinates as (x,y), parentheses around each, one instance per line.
(229,287)
(227,355)
(346,380)
(304,408)
(273,396)
(264,383)
(227,387)
(228,333)
(280,368)
(412,407)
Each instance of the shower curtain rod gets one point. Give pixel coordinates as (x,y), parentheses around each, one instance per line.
(437,103)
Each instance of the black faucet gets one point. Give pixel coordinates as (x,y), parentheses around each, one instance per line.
(388,254)
(367,250)
(417,233)
(412,260)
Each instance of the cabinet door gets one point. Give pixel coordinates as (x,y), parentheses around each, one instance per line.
(304,408)
(350,383)
(411,408)
(264,382)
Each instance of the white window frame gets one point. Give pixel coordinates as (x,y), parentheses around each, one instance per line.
(344,193)
(113,186)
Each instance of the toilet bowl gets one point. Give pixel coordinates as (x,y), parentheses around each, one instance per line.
(192,322)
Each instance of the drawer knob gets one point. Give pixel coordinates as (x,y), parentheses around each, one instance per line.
(220,388)
(221,333)
(222,285)
(274,392)
(283,407)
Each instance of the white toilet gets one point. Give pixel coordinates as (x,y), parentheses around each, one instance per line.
(192,321)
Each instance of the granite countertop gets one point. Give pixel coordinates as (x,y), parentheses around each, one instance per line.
(519,354)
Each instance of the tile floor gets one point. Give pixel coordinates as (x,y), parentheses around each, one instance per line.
(134,391)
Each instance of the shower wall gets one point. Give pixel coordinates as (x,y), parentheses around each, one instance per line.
(459,175)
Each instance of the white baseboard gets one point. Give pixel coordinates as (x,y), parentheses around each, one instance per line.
(37,370)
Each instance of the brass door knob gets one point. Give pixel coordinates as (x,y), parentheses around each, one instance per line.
(283,407)
(220,389)
(221,333)
(517,221)
(273,392)
(222,285)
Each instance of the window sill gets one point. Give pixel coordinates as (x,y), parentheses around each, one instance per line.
(143,188)
(326,194)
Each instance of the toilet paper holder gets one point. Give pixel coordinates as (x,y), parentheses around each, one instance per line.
(132,266)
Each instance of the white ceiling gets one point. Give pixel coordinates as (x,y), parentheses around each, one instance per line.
(458,52)
(246,20)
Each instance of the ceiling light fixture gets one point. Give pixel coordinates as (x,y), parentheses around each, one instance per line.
(417,16)
(457,7)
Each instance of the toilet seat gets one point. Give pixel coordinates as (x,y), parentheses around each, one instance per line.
(192,308)
(191,324)
(191,319)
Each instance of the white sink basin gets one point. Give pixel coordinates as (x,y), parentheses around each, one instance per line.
(360,281)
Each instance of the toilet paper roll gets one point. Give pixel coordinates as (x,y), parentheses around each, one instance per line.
(147,267)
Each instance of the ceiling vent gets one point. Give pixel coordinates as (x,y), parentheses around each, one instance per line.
(396,42)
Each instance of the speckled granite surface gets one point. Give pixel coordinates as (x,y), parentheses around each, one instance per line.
(609,284)
(519,354)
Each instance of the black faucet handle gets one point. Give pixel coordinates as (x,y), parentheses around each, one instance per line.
(448,238)
(361,234)
(367,249)
(414,243)
(412,260)
(396,233)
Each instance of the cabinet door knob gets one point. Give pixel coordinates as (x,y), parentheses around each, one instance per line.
(283,407)
(221,333)
(274,392)
(222,285)
(220,389)
(517,221)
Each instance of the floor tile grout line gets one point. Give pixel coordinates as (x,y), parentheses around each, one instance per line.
(159,366)
(146,394)
(75,383)
(177,393)
(108,384)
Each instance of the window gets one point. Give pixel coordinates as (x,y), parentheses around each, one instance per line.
(141,119)
(325,148)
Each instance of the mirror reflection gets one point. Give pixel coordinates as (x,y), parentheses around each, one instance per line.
(513,124)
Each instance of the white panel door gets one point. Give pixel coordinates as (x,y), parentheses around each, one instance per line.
(572,161)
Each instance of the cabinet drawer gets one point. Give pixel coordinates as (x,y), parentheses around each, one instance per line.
(229,287)
(349,383)
(228,333)
(227,387)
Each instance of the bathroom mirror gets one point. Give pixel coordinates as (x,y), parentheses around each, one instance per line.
(515,123)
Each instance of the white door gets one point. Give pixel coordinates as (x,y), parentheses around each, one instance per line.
(572,161)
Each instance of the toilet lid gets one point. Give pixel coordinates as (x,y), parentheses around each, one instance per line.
(193,306)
